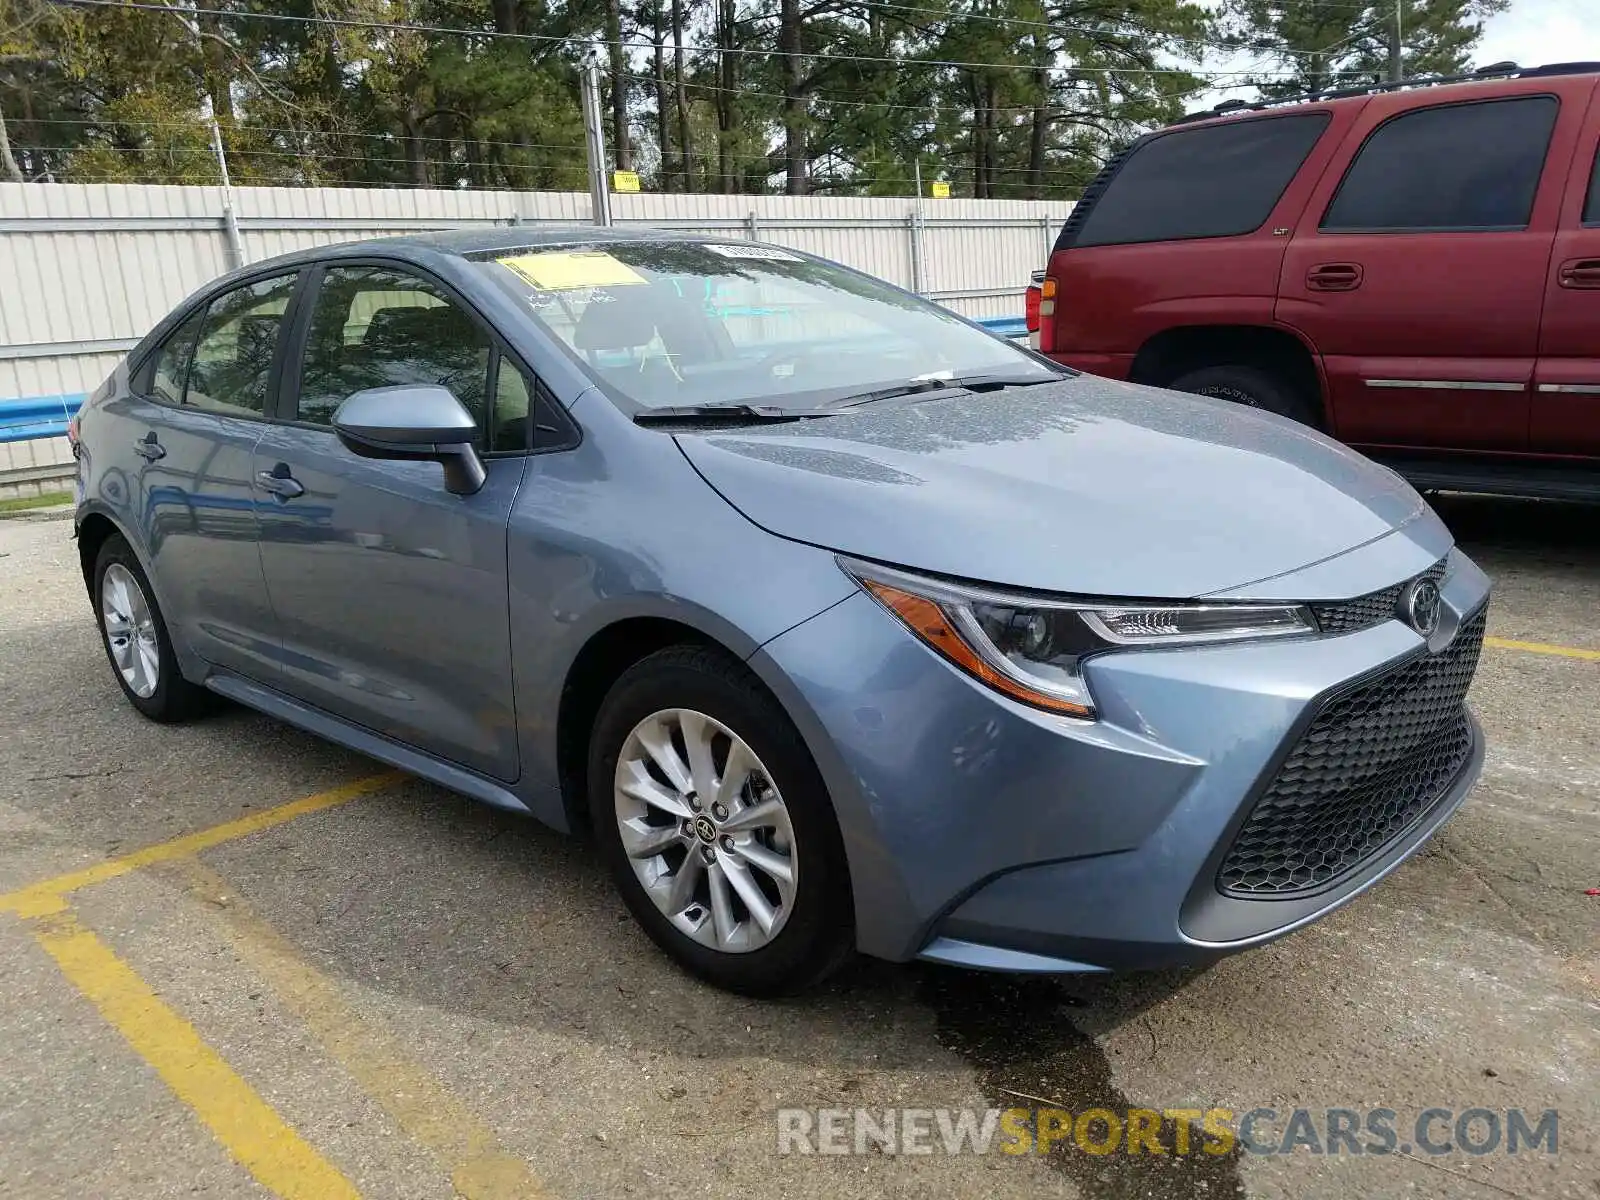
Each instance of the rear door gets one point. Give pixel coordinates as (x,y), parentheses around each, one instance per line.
(1566,396)
(200,412)
(1418,272)
(390,591)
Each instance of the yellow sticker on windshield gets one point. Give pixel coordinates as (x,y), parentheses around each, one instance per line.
(562,269)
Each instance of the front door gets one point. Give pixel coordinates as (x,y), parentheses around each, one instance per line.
(1566,393)
(390,591)
(1419,273)
(194,427)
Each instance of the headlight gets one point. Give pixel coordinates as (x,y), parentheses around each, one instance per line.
(1032,649)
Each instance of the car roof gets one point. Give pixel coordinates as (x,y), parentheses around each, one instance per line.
(461,242)
(1440,90)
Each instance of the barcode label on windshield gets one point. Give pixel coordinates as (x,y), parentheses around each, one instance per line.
(763,253)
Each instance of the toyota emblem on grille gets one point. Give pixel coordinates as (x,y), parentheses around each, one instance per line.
(1419,606)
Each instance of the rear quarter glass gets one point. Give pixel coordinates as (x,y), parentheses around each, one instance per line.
(1207,181)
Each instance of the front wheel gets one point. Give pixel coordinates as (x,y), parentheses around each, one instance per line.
(716,825)
(1251,386)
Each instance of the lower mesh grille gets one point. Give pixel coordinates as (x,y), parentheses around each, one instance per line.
(1369,767)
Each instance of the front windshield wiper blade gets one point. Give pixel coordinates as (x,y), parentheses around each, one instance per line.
(967,383)
(724,414)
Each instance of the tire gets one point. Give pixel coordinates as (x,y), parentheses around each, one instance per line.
(140,638)
(1249,385)
(666,698)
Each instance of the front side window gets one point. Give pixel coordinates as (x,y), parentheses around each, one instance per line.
(171,366)
(669,323)
(1457,167)
(1211,181)
(378,327)
(233,358)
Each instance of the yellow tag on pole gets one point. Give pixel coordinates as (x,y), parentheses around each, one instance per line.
(562,269)
(624,181)
(941,190)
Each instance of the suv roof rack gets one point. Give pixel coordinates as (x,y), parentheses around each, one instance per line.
(1499,70)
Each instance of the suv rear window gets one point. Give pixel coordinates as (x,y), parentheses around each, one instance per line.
(1455,167)
(1213,181)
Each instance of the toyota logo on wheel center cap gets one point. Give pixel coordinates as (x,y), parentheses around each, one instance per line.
(704,829)
(1419,606)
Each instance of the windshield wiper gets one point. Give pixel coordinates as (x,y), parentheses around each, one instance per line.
(967,383)
(724,414)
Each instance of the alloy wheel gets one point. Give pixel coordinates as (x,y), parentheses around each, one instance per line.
(706,830)
(130,630)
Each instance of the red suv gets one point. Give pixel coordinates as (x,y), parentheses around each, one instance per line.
(1414,268)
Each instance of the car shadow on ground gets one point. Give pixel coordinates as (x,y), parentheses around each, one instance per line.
(1550,532)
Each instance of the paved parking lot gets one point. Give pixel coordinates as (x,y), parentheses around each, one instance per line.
(386,991)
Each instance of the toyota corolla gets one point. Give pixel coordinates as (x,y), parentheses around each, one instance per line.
(840,623)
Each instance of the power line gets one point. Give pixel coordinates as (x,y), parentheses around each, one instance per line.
(602,43)
(1021,22)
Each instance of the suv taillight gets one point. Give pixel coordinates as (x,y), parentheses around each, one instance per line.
(1031,310)
(1047,315)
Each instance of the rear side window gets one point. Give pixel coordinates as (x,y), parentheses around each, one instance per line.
(233,359)
(1458,167)
(171,365)
(1215,181)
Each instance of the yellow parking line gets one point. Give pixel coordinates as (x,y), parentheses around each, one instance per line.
(242,1121)
(479,1167)
(39,899)
(1542,648)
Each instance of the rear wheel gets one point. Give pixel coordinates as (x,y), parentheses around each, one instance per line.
(1253,386)
(716,825)
(136,640)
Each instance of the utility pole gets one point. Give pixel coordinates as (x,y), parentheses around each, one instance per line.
(1396,44)
(594,143)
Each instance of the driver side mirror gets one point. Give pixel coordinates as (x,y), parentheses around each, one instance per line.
(414,422)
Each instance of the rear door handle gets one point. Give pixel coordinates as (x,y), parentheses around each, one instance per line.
(1334,277)
(1580,273)
(149,447)
(279,482)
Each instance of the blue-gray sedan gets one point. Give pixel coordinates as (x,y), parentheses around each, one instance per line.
(840,622)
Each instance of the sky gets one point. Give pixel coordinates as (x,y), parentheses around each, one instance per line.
(1532,32)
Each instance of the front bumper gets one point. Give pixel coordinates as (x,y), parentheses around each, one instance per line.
(987,833)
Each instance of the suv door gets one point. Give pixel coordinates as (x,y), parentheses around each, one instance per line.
(1420,282)
(201,398)
(390,591)
(1566,397)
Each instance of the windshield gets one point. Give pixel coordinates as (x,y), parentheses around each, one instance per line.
(683,323)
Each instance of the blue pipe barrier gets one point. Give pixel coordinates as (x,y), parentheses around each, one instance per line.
(1006,327)
(37,417)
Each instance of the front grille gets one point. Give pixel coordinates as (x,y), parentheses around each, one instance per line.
(1370,766)
(1347,616)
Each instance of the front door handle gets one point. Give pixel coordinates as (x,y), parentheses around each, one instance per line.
(149,447)
(279,482)
(1580,273)
(1334,277)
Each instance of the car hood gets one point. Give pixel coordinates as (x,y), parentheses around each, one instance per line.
(1088,486)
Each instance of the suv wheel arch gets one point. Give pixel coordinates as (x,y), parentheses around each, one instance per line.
(1274,366)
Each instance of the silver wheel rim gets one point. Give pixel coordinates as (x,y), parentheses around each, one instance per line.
(706,831)
(130,631)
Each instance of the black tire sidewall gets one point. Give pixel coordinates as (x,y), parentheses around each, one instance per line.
(1250,386)
(174,697)
(819,933)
